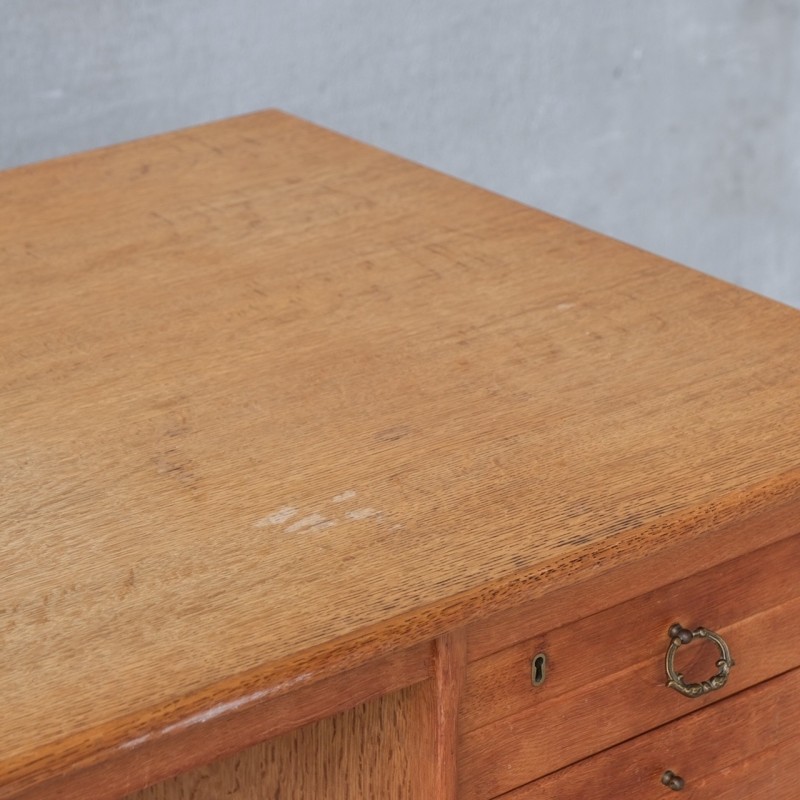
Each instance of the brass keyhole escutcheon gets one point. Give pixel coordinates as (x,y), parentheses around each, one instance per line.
(680,636)
(539,669)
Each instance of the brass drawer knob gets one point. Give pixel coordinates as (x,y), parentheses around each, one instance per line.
(680,636)
(672,781)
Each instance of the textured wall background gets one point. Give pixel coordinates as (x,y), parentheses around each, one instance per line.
(672,125)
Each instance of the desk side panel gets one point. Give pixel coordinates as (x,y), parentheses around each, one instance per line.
(382,748)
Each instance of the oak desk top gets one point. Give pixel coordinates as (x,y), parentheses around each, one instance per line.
(273,403)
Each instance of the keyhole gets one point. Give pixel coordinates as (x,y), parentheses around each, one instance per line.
(539,669)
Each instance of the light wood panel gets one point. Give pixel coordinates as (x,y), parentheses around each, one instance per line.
(594,592)
(768,775)
(201,740)
(401,745)
(745,748)
(604,688)
(510,752)
(449,677)
(592,650)
(384,748)
(274,404)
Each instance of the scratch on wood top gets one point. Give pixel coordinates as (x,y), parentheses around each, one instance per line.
(341,498)
(278,517)
(314,522)
(362,513)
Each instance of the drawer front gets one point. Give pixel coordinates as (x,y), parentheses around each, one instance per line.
(605,676)
(744,748)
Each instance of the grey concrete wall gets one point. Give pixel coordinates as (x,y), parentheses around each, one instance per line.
(673,125)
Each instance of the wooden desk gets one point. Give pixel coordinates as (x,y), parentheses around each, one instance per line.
(307,453)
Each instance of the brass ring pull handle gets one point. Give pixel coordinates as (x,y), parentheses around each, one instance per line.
(680,636)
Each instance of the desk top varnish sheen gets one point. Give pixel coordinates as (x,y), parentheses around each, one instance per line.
(324,475)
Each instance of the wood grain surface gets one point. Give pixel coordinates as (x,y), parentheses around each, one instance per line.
(606,677)
(184,748)
(595,591)
(449,675)
(768,775)
(744,748)
(379,749)
(631,639)
(274,403)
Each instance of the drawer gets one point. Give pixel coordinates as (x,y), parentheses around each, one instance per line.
(744,748)
(605,676)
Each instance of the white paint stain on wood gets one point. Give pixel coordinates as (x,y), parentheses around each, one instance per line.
(277,517)
(217,711)
(132,743)
(344,496)
(362,513)
(314,522)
